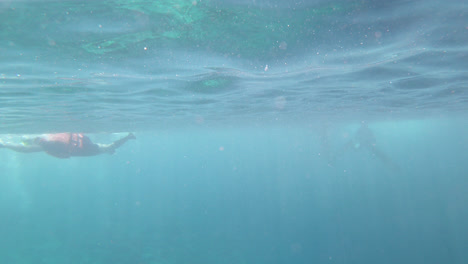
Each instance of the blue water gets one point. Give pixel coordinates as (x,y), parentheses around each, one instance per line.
(248,117)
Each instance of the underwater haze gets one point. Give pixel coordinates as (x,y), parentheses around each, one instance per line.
(266,131)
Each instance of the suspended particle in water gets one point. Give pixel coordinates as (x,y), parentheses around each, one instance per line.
(283,45)
(199,120)
(280,102)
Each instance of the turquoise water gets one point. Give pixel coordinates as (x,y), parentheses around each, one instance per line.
(249,120)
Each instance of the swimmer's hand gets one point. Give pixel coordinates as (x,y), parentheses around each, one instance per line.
(131,136)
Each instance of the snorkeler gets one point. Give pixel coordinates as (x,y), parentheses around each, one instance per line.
(66,145)
(365,139)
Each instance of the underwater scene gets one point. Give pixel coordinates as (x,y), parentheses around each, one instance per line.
(233,132)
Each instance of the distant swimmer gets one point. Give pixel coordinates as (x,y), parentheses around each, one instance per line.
(365,139)
(66,145)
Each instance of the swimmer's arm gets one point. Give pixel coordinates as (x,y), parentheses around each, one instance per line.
(21,148)
(110,148)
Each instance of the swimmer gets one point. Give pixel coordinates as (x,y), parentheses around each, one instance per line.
(66,145)
(365,139)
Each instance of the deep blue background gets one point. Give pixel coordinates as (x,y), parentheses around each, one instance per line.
(244,195)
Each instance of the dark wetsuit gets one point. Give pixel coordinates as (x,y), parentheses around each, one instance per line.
(65,145)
